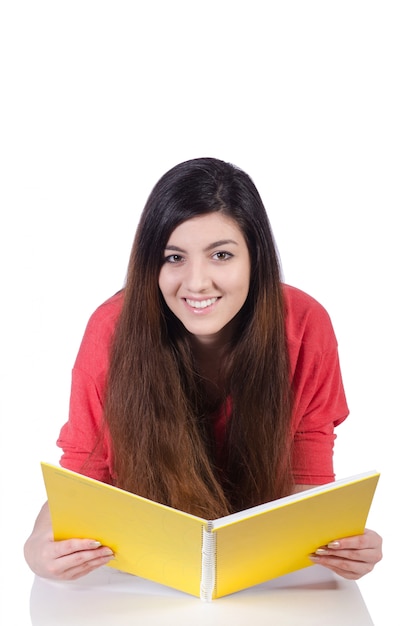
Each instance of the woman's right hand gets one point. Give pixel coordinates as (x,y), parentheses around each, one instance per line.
(62,560)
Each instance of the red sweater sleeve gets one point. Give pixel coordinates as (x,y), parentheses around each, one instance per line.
(84,442)
(320,402)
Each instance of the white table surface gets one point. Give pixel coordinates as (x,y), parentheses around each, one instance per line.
(313,596)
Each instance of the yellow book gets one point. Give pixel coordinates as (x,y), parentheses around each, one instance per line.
(207,558)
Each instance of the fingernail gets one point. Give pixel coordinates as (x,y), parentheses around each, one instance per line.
(95,544)
(109,552)
(334,544)
(314,558)
(321,550)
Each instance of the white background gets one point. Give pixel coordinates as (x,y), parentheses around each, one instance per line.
(315,100)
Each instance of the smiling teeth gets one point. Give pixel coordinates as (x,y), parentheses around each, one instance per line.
(201,304)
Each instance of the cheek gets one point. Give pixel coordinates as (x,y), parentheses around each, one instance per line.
(162,282)
(241,281)
(166,283)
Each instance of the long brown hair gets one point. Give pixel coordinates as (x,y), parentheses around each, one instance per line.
(156,408)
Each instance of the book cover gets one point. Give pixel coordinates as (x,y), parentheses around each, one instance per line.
(206,558)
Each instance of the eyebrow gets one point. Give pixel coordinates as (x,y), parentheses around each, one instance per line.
(215,244)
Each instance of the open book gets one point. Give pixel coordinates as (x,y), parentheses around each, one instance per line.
(207,558)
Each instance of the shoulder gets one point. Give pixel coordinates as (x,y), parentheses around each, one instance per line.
(307,321)
(93,352)
(104,318)
(301,304)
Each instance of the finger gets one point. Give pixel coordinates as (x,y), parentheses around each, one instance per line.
(71,559)
(350,569)
(69,546)
(369,555)
(368,540)
(80,563)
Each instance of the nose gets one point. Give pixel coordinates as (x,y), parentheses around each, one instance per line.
(197,278)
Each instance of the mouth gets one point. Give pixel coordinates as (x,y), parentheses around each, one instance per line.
(201,304)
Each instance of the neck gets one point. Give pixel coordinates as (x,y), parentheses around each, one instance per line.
(209,353)
(214,343)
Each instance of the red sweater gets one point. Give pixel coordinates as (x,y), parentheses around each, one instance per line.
(320,403)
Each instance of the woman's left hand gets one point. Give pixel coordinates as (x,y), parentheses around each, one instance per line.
(351,557)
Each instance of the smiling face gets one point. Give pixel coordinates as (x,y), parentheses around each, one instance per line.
(206,273)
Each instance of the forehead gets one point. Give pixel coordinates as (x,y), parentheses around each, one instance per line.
(203,228)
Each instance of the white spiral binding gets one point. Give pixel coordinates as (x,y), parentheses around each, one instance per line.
(208,574)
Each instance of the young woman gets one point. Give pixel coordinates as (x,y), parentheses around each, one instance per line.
(206,383)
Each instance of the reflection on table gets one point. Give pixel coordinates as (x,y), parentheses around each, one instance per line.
(107,597)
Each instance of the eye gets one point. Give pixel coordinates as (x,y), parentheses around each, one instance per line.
(222,256)
(173,258)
